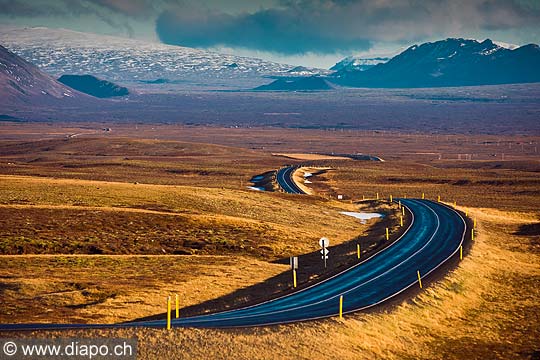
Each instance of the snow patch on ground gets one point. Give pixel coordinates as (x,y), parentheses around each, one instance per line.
(256,188)
(362,216)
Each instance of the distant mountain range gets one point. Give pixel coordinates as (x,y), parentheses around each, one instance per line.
(23,83)
(151,67)
(132,63)
(450,62)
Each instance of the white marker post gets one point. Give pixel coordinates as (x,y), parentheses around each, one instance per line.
(324,242)
(294,266)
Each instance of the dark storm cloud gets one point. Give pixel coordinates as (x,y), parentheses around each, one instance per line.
(100,9)
(284,31)
(17,8)
(329,26)
(132,8)
(128,8)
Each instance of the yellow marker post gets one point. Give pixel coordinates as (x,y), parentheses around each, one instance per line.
(177,307)
(461,253)
(474,223)
(419,278)
(439,198)
(341,307)
(363,197)
(472,234)
(455,203)
(358,250)
(403,210)
(466,212)
(399,204)
(294,278)
(387,235)
(423,196)
(390,198)
(377,196)
(168,313)
(401,220)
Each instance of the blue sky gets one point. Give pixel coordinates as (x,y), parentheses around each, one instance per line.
(300,32)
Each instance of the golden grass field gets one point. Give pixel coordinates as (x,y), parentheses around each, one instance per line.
(487,308)
(161,214)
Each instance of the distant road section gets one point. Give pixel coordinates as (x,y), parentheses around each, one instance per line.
(285,180)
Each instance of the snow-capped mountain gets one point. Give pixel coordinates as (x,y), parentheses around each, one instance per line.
(451,62)
(136,63)
(505,45)
(355,63)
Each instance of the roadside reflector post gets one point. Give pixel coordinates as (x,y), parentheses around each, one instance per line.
(177,307)
(363,197)
(423,196)
(377,196)
(387,234)
(461,253)
(419,278)
(168,313)
(294,266)
(341,307)
(439,198)
(455,203)
(358,250)
(399,204)
(401,220)
(403,210)
(390,198)
(466,212)
(474,223)
(472,234)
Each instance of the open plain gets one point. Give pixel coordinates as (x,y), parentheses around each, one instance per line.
(100,223)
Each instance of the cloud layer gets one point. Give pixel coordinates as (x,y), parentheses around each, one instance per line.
(293,27)
(330,26)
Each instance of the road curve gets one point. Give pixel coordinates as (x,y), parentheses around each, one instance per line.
(286,182)
(434,235)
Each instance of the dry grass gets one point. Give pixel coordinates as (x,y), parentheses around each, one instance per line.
(512,189)
(46,215)
(486,308)
(109,289)
(134,160)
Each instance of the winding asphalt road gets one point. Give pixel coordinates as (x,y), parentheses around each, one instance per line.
(286,182)
(433,237)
